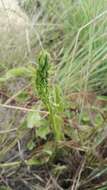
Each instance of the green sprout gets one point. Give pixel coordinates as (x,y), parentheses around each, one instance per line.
(51,97)
(42,77)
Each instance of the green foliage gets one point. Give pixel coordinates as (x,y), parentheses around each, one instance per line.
(74,34)
(42,131)
(42,77)
(5,188)
(17,72)
(102,98)
(98,120)
(33,120)
(23,96)
(102,188)
(83,47)
(52,101)
(30,145)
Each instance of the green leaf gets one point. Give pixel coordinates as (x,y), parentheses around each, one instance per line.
(17,72)
(30,145)
(102,188)
(84,118)
(58,123)
(43,131)
(58,99)
(98,120)
(33,120)
(59,169)
(34,161)
(103,98)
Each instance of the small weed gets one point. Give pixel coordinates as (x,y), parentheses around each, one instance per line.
(51,97)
